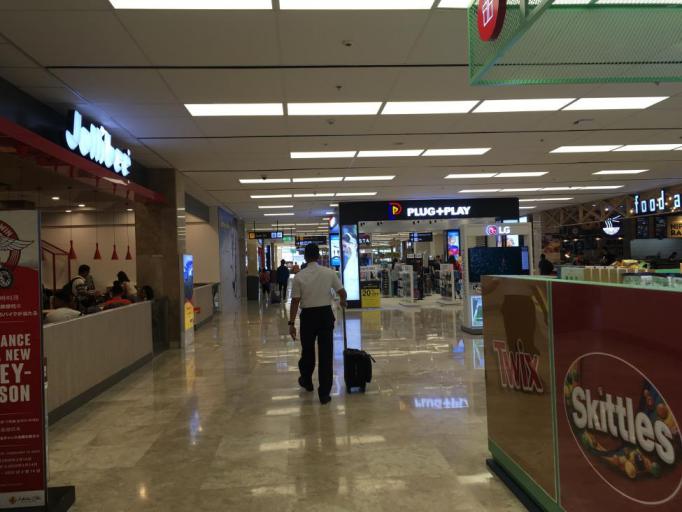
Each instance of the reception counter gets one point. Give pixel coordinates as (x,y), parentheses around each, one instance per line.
(87,355)
(583,391)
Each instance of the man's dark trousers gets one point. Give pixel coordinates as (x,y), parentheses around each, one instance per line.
(318,324)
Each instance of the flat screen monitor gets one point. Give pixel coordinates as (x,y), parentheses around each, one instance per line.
(501,261)
(351,264)
(453,243)
(335,250)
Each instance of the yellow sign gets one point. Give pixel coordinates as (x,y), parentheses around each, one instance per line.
(675,227)
(189,315)
(370,297)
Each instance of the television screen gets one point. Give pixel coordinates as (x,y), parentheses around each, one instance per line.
(351,264)
(501,261)
(453,243)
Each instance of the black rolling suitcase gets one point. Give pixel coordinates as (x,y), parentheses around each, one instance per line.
(357,364)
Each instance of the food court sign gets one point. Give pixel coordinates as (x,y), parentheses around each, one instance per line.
(658,203)
(94,142)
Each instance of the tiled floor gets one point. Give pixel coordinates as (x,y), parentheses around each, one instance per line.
(224,426)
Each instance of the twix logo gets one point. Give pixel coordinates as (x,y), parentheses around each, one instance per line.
(518,370)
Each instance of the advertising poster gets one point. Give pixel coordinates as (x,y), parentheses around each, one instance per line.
(230,266)
(188,287)
(335,250)
(618,398)
(453,243)
(519,380)
(22,412)
(351,266)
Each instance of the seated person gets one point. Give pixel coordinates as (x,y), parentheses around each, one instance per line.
(145,293)
(116,299)
(63,309)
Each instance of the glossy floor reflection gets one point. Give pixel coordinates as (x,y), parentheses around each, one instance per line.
(224,426)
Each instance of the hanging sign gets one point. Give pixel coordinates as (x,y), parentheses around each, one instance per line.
(22,409)
(266,235)
(491,15)
(656,204)
(611,226)
(95,143)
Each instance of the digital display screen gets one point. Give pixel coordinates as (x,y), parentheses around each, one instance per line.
(334,250)
(512,241)
(351,264)
(525,260)
(494,261)
(453,243)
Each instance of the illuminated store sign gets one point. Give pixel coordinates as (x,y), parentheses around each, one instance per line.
(657,204)
(441,211)
(494,230)
(95,143)
(611,226)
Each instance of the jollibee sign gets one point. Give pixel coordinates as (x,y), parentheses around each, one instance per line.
(624,427)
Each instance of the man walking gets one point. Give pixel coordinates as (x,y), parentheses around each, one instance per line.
(283,280)
(312,291)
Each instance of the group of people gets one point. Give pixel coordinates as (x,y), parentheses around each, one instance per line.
(80,297)
(276,282)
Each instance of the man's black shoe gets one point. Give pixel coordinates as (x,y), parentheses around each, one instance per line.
(325,399)
(307,387)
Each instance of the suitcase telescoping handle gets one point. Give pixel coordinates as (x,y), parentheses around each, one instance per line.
(345,336)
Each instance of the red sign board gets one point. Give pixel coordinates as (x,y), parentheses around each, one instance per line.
(618,399)
(22,410)
(491,15)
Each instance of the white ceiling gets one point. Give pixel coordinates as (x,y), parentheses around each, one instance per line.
(134,70)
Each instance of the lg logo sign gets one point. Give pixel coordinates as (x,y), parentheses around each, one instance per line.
(494,230)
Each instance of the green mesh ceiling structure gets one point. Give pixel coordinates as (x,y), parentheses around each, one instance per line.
(580,41)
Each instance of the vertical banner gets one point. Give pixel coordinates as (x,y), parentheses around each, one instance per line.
(518,376)
(188,290)
(618,356)
(22,410)
(351,263)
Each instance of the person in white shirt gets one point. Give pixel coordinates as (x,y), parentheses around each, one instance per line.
(63,310)
(312,292)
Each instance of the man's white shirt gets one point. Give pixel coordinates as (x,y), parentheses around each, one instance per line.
(314,285)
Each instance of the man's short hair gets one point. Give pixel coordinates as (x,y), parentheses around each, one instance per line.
(312,252)
(84,269)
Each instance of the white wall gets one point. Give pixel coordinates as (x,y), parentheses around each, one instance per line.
(56,229)
(203,244)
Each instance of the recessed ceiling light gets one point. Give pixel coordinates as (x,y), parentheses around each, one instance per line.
(390,153)
(329,213)
(369,178)
(545,199)
(280,214)
(601,187)
(457,4)
(630,103)
(456,152)
(428,107)
(334,109)
(317,179)
(334,205)
(266,181)
(622,171)
(649,147)
(479,191)
(275,206)
(193,4)
(519,190)
(531,174)
(129,209)
(326,194)
(55,198)
(272,196)
(348,5)
(282,225)
(530,105)
(67,211)
(308,224)
(81,205)
(470,175)
(527,207)
(352,194)
(585,149)
(235,109)
(557,189)
(323,154)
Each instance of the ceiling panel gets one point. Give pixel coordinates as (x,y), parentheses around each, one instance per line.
(224,85)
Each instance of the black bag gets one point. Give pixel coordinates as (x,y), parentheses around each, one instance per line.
(357,364)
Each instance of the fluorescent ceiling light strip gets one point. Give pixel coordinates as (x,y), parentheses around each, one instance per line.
(390,153)
(545,199)
(479,191)
(318,179)
(622,171)
(235,109)
(624,103)
(456,152)
(557,189)
(353,194)
(272,196)
(428,107)
(308,224)
(279,214)
(330,213)
(457,4)
(519,190)
(323,154)
(226,5)
(523,105)
(532,174)
(470,175)
(273,207)
(355,5)
(265,181)
(369,178)
(649,147)
(527,207)
(586,149)
(326,194)
(334,205)
(334,109)
(601,187)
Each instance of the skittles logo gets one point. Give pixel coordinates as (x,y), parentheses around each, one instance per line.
(10,243)
(624,428)
(395,209)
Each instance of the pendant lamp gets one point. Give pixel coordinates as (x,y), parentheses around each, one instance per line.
(129,256)
(98,255)
(72,252)
(114,254)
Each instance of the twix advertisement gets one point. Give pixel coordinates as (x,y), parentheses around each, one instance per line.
(518,375)
(618,398)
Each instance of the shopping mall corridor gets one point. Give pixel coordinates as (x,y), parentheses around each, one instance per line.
(224,426)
